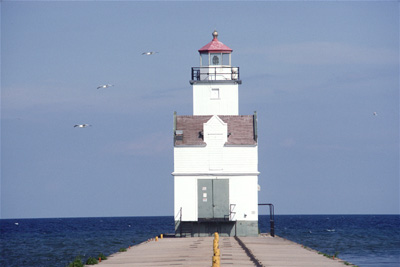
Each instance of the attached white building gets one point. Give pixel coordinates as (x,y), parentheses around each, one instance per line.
(215,153)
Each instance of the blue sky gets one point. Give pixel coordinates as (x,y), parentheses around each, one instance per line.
(315,72)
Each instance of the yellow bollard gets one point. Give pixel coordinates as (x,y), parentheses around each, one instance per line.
(215,261)
(156,238)
(161,236)
(216,258)
(216,235)
(217,252)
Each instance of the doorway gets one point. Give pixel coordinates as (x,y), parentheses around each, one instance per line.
(213,199)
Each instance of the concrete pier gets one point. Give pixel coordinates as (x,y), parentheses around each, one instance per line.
(198,251)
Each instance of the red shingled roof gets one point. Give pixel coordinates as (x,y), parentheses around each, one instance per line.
(240,129)
(215,46)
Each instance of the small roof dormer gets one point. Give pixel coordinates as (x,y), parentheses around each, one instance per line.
(215,53)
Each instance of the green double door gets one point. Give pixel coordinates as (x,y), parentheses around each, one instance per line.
(213,198)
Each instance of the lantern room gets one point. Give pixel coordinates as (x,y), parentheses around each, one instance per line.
(215,63)
(215,53)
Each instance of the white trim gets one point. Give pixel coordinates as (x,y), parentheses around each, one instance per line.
(203,145)
(234,145)
(216,174)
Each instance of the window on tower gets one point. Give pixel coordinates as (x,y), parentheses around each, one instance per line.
(216,59)
(215,93)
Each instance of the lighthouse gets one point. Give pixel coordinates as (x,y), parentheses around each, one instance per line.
(215,153)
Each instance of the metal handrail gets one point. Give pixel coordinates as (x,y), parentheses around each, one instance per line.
(231,208)
(179,214)
(180,220)
(215,73)
(271,217)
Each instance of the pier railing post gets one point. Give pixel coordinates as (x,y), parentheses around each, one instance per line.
(272,225)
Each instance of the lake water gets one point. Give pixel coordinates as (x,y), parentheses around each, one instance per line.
(364,240)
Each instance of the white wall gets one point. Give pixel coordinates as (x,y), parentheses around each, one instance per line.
(205,104)
(185,197)
(242,192)
(233,159)
(239,164)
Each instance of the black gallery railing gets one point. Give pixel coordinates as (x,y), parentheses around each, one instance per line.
(213,73)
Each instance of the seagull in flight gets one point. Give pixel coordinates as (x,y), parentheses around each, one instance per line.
(104,86)
(82,125)
(149,53)
(375,114)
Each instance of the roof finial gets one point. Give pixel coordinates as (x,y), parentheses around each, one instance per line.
(215,34)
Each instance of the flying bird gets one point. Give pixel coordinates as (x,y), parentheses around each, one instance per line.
(104,86)
(82,125)
(149,53)
(375,114)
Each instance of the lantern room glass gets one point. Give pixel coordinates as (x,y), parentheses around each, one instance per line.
(204,59)
(226,59)
(215,59)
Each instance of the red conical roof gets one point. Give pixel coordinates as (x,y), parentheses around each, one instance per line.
(215,46)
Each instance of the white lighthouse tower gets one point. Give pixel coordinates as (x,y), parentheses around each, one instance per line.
(215,82)
(215,153)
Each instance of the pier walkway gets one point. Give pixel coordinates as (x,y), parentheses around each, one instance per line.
(198,251)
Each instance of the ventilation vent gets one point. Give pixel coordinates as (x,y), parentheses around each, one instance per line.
(179,134)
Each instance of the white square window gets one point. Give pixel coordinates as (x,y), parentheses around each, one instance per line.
(215,93)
